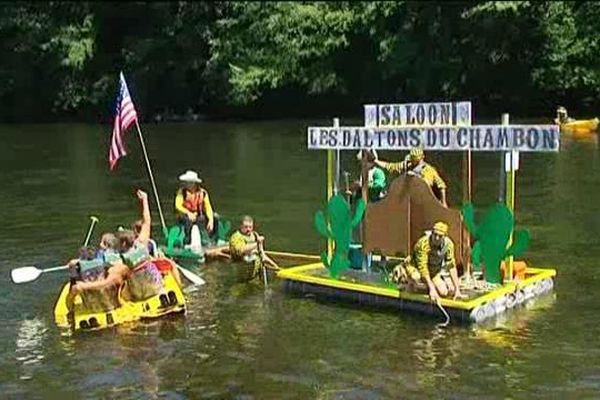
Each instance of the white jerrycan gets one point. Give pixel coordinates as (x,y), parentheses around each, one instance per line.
(196,243)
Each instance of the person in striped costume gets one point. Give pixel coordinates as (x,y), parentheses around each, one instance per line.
(414,164)
(432,263)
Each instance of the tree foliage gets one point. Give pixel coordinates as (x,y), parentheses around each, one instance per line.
(61,60)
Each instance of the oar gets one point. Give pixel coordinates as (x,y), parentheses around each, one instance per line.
(89,234)
(261,255)
(192,277)
(29,274)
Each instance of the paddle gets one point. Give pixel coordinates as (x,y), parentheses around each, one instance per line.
(261,252)
(89,234)
(192,277)
(31,273)
(28,274)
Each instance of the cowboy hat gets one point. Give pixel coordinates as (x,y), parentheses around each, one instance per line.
(190,176)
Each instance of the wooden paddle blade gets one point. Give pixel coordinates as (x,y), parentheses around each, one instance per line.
(195,279)
(25,274)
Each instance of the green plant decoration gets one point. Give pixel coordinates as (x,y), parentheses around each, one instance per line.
(491,239)
(337,226)
(175,237)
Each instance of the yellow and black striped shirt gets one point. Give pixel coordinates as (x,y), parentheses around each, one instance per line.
(430,261)
(428,173)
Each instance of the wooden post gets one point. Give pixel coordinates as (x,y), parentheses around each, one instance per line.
(365,196)
(337,173)
(509,164)
(330,183)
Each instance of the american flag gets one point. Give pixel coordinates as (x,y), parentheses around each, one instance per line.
(125,115)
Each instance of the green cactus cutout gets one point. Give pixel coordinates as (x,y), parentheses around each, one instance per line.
(337,226)
(175,237)
(491,239)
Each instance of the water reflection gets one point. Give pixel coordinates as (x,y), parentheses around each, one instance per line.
(510,330)
(435,353)
(29,346)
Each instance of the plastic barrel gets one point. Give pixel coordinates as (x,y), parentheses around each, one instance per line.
(478,314)
(519,297)
(511,300)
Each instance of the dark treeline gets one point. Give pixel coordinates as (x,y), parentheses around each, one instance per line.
(60,61)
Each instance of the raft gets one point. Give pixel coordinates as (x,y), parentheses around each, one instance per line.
(314,279)
(580,126)
(185,254)
(171,301)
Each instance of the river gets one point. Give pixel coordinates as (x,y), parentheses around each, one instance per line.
(236,342)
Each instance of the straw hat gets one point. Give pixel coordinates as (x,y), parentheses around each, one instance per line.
(190,177)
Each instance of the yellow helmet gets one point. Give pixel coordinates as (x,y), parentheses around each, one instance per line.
(440,228)
(416,154)
(561,109)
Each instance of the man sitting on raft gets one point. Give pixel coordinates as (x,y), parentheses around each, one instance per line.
(244,244)
(414,164)
(137,268)
(561,116)
(431,261)
(192,205)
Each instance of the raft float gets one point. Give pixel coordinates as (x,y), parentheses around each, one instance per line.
(391,226)
(170,301)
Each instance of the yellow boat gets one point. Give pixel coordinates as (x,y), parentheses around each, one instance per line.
(580,126)
(170,301)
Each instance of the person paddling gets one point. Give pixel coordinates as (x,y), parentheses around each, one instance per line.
(244,244)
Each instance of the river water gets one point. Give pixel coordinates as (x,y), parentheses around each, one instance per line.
(236,342)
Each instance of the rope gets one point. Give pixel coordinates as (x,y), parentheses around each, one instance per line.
(443,312)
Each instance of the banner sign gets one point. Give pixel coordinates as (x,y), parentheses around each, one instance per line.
(418,114)
(531,138)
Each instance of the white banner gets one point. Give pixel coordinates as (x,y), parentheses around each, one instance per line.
(418,114)
(545,138)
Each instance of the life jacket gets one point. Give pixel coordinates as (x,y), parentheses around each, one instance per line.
(194,204)
(90,270)
(145,279)
(249,239)
(136,256)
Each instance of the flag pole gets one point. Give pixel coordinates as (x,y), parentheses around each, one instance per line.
(162,218)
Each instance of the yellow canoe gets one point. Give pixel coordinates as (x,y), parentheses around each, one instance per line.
(580,126)
(169,302)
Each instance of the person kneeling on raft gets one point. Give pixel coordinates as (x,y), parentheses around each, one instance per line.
(193,207)
(92,266)
(243,244)
(431,261)
(137,269)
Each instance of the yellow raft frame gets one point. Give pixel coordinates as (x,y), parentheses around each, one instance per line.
(153,307)
(537,282)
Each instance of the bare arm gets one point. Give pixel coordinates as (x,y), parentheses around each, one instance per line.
(113,279)
(144,235)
